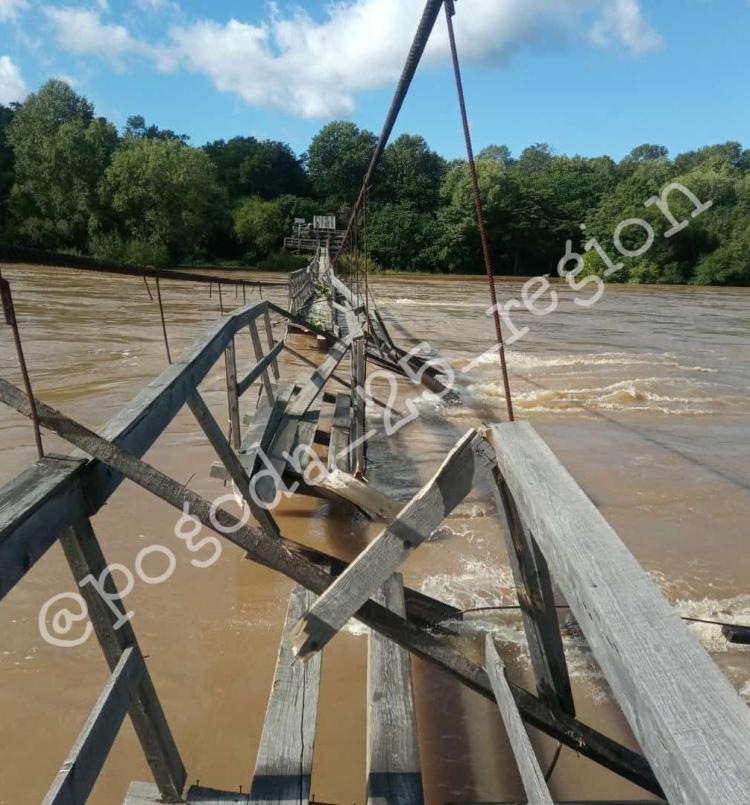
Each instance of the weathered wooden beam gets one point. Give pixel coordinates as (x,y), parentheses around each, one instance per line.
(260,436)
(51,499)
(342,486)
(147,794)
(42,495)
(353,326)
(393,546)
(271,346)
(319,378)
(233,403)
(284,439)
(260,368)
(277,555)
(338,449)
(76,778)
(284,764)
(340,380)
(230,460)
(115,635)
(394,773)
(359,423)
(691,723)
(532,777)
(258,349)
(537,601)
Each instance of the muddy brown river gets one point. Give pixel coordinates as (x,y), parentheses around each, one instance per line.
(645,398)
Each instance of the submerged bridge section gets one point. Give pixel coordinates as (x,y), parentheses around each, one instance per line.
(693,729)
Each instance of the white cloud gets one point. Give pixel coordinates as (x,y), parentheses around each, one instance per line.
(82,31)
(622,20)
(9,9)
(316,67)
(12,85)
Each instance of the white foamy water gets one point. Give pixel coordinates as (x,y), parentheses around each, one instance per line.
(478,584)
(652,394)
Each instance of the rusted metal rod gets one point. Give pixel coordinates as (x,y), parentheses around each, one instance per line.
(163,322)
(450,11)
(10,318)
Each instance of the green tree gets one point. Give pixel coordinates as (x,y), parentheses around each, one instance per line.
(164,193)
(61,151)
(501,153)
(7,167)
(337,161)
(402,237)
(411,173)
(136,127)
(259,226)
(265,168)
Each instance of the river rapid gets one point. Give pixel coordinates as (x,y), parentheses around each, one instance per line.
(644,397)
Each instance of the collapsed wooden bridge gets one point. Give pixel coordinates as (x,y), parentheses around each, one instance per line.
(693,728)
(310,437)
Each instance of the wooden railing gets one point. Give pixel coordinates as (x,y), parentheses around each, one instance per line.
(56,497)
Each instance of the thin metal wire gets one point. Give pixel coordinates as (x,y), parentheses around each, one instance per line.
(150,295)
(450,11)
(10,318)
(163,322)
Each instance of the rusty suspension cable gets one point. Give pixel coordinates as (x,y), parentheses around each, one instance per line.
(10,318)
(450,12)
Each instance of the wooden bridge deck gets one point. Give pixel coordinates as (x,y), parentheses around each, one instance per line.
(692,727)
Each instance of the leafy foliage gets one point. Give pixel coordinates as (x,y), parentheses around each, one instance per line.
(68,181)
(61,152)
(259,225)
(164,193)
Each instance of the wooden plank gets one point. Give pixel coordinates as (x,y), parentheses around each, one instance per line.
(305,436)
(52,504)
(364,496)
(258,349)
(148,794)
(231,462)
(233,404)
(260,435)
(292,560)
(338,449)
(261,367)
(271,346)
(354,328)
(115,635)
(265,484)
(690,722)
(566,802)
(284,764)
(75,780)
(394,775)
(392,547)
(319,378)
(345,383)
(47,492)
(359,423)
(532,777)
(537,602)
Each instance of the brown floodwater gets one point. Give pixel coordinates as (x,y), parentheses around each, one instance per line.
(645,398)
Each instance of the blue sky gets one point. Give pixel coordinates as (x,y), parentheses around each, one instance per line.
(587,76)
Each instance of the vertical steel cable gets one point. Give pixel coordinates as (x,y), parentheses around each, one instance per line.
(163,322)
(450,11)
(10,318)
(426,24)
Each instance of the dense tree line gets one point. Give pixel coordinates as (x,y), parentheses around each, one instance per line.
(70,181)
